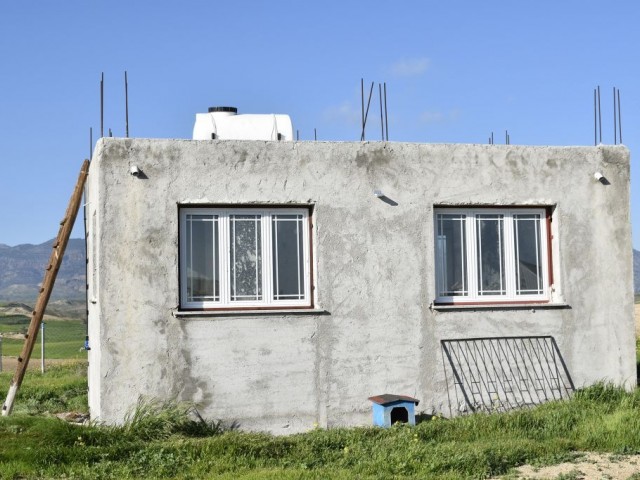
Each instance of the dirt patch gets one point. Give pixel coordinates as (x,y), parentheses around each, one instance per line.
(587,466)
(13,336)
(13,309)
(9,364)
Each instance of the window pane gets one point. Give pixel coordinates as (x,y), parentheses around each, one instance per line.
(451,255)
(246,257)
(528,261)
(202,258)
(490,245)
(288,275)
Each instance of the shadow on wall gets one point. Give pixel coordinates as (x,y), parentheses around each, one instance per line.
(497,374)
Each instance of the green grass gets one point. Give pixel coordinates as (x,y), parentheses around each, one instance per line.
(64,339)
(168,441)
(62,388)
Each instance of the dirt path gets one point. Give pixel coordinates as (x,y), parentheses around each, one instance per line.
(587,466)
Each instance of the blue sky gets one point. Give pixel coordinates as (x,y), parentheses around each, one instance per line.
(455,72)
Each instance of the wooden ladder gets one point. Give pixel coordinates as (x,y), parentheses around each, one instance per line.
(50,274)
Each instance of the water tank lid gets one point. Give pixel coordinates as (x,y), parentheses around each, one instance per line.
(223,109)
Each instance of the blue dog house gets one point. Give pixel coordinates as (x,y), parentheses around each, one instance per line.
(389,409)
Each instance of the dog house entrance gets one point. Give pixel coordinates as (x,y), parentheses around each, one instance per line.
(388,409)
(399,414)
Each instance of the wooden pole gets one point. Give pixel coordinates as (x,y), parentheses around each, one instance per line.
(51,272)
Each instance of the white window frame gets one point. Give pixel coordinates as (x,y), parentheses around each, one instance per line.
(510,268)
(268,300)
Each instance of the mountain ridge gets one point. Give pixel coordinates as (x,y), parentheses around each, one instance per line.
(22,270)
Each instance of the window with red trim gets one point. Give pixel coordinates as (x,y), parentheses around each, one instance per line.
(491,255)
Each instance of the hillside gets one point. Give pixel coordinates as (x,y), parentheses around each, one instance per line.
(22,270)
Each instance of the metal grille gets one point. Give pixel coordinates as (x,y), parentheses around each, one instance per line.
(503,373)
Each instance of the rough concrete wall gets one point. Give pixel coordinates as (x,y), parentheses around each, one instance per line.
(374,268)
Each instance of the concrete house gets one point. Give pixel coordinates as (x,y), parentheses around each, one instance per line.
(280,284)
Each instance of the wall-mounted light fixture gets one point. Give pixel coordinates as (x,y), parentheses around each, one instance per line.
(134,170)
(601,178)
(378,193)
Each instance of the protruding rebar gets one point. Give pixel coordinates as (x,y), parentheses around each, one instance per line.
(619,118)
(102,105)
(381,117)
(599,116)
(595,118)
(615,117)
(362,105)
(366,114)
(386,120)
(126,104)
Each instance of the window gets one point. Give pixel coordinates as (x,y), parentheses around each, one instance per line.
(491,255)
(244,258)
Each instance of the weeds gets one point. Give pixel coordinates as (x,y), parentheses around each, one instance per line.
(154,420)
(574,474)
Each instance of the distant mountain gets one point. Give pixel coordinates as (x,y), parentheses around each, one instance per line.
(636,271)
(22,270)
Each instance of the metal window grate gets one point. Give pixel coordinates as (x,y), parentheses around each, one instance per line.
(503,373)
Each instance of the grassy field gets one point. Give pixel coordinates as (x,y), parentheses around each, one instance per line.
(64,339)
(13,324)
(164,441)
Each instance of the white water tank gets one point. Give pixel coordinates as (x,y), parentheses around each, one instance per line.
(224,123)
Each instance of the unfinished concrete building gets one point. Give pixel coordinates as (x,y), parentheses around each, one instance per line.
(281,284)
